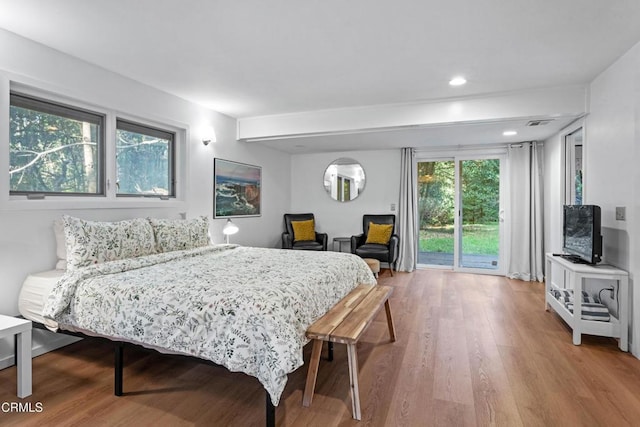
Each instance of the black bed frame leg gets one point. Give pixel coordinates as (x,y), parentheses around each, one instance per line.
(119,362)
(271,412)
(330,354)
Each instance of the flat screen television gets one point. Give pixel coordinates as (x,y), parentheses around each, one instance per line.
(582,241)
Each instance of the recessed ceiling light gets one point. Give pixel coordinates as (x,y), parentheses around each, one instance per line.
(457,81)
(509,133)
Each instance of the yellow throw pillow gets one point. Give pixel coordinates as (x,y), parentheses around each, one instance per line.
(303,230)
(379,233)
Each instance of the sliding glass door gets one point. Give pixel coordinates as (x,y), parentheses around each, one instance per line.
(436,204)
(480,213)
(460,213)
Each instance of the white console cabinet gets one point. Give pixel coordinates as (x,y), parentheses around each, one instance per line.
(574,278)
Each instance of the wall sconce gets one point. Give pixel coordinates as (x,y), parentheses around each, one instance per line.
(208,135)
(229,229)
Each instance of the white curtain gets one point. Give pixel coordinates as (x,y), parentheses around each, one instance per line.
(408,212)
(527,233)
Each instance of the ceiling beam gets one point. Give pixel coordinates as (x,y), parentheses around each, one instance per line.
(544,103)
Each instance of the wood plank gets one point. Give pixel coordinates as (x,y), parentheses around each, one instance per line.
(452,414)
(356,322)
(492,394)
(452,376)
(412,395)
(323,327)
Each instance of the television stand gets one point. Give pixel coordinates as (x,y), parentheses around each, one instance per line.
(573,277)
(574,259)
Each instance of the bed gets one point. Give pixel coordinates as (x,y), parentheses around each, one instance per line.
(243,308)
(33,295)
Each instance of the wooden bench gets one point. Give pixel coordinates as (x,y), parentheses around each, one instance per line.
(345,323)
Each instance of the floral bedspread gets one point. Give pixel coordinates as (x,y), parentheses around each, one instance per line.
(244,308)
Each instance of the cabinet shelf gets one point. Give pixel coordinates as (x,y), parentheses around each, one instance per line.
(616,327)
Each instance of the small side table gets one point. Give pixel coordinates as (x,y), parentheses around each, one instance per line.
(340,241)
(21,329)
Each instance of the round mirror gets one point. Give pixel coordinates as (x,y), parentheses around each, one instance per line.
(344,179)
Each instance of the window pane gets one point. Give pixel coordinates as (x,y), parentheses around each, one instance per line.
(54,149)
(145,160)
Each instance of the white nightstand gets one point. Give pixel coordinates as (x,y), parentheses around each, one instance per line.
(21,328)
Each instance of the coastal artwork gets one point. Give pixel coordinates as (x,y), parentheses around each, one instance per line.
(237,189)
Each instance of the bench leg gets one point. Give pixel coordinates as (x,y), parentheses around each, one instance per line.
(312,374)
(392,330)
(353,380)
(330,351)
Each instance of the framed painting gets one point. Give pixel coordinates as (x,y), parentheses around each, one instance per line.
(237,189)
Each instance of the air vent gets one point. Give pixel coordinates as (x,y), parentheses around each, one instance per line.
(539,122)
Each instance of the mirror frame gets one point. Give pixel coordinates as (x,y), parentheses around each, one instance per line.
(329,174)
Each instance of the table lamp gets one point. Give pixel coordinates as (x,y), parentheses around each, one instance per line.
(229,229)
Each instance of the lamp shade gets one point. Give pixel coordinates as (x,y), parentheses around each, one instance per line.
(208,135)
(229,229)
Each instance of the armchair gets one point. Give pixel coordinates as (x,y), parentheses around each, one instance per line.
(386,253)
(288,236)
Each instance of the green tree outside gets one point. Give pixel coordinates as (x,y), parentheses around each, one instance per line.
(49,153)
(480,183)
(59,153)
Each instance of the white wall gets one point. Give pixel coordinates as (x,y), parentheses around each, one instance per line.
(553,194)
(611,172)
(343,219)
(611,166)
(26,236)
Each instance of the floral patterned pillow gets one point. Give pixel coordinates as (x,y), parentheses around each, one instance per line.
(92,242)
(180,234)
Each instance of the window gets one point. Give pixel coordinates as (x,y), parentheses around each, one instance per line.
(145,160)
(574,183)
(54,149)
(64,148)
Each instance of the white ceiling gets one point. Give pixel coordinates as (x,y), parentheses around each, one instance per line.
(254,57)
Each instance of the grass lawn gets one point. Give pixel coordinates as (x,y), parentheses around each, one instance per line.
(476,239)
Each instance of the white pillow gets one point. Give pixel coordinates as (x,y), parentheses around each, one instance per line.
(61,249)
(180,234)
(92,242)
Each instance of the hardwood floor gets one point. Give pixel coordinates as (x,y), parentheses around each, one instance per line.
(470,350)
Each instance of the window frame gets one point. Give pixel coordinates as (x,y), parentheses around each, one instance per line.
(67,111)
(149,130)
(570,164)
(10,82)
